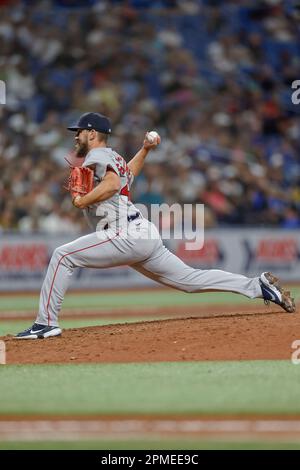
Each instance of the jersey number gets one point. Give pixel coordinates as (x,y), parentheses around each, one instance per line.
(123,171)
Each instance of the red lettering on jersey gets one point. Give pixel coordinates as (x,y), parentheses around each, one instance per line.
(124,170)
(125,192)
(122,165)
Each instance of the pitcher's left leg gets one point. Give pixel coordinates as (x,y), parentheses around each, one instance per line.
(96,250)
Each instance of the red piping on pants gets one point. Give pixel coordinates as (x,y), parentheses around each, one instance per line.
(76,251)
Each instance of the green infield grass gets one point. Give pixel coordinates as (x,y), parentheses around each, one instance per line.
(238,387)
(143,444)
(184,388)
(133,300)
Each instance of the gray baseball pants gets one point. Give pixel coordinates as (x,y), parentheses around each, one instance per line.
(143,250)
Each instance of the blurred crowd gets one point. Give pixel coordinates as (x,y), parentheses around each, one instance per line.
(213,78)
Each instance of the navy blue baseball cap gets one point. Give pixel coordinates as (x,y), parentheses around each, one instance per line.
(92,121)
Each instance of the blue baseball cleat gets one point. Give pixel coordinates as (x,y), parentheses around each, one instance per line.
(37,331)
(273,292)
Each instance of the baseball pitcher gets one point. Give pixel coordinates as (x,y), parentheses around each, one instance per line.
(122,236)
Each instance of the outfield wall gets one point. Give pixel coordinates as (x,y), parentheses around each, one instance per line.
(24,259)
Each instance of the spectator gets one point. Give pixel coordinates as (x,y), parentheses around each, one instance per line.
(214,80)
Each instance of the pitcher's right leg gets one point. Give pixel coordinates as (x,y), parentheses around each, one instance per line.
(166,268)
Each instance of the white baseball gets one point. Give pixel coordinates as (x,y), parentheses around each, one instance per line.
(152,136)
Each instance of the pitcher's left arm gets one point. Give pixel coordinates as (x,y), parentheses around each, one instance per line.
(107,188)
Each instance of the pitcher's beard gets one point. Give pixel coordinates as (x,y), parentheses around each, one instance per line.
(81,150)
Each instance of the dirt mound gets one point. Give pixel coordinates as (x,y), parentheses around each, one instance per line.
(228,337)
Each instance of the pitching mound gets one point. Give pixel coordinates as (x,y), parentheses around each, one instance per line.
(228,337)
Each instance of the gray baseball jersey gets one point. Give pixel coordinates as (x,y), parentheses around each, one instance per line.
(121,236)
(115,210)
